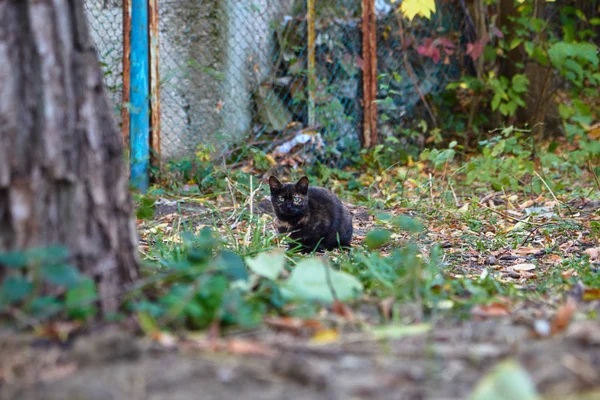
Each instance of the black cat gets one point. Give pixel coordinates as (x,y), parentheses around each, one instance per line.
(312,216)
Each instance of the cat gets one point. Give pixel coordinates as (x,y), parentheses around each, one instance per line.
(312,216)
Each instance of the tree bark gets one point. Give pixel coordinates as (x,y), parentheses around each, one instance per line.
(62,173)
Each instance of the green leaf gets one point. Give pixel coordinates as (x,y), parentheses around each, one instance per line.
(14,259)
(312,279)
(44,306)
(377,238)
(147,323)
(233,265)
(520,83)
(514,43)
(268,264)
(145,211)
(400,331)
(80,300)
(37,255)
(408,224)
(14,289)
(507,381)
(61,274)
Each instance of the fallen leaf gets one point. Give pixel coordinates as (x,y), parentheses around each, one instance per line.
(164,338)
(400,331)
(527,275)
(493,310)
(386,307)
(247,347)
(296,326)
(526,251)
(593,252)
(554,259)
(325,336)
(342,310)
(568,273)
(523,267)
(591,294)
(507,380)
(563,316)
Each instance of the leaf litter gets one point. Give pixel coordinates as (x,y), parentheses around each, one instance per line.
(347,349)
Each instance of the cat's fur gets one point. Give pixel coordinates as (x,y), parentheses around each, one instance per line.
(312,216)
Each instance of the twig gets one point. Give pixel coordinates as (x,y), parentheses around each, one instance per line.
(594,174)
(551,192)
(508,216)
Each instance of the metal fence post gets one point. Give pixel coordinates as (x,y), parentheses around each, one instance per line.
(140,95)
(154,85)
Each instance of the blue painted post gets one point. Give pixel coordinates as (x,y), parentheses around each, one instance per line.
(140,96)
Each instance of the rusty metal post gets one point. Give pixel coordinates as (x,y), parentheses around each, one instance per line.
(154,84)
(126,95)
(369,52)
(312,81)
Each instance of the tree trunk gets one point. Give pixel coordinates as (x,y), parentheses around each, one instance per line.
(62,172)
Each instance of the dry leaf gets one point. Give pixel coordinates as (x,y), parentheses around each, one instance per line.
(554,259)
(593,252)
(523,267)
(526,251)
(569,273)
(526,204)
(342,310)
(563,316)
(247,347)
(591,294)
(296,326)
(386,307)
(325,336)
(493,310)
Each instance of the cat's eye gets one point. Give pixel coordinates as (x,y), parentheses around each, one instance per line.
(297,199)
(281,199)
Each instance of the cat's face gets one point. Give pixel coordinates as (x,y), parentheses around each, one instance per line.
(289,200)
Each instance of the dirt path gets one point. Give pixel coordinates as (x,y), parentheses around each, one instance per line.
(444,363)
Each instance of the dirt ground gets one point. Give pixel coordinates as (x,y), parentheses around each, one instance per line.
(444,363)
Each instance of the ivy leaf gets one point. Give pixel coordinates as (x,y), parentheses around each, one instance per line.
(80,300)
(312,279)
(412,8)
(14,289)
(268,264)
(61,274)
(508,380)
(233,265)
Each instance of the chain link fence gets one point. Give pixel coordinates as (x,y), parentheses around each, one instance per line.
(105,21)
(236,71)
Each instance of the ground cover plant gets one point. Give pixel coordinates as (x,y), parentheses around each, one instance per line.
(440,249)
(474,270)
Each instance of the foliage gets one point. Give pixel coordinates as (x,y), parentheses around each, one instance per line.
(412,8)
(28,271)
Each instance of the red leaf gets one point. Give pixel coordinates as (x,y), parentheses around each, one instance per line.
(475,50)
(428,49)
(497,32)
(445,42)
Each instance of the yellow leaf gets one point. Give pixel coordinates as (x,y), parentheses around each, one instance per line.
(412,8)
(325,336)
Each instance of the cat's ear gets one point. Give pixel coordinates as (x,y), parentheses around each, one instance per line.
(302,185)
(274,184)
